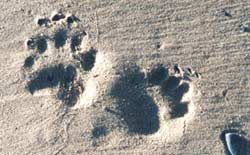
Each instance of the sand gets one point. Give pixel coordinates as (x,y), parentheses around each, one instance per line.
(122,77)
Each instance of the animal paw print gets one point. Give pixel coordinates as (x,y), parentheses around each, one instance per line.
(176,86)
(139,109)
(60,55)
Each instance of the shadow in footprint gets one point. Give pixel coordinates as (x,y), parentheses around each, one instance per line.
(69,91)
(234,143)
(174,91)
(57,75)
(38,43)
(42,45)
(31,43)
(134,105)
(71,19)
(47,77)
(99,131)
(29,61)
(87,59)
(60,38)
(43,22)
(157,75)
(76,41)
(57,16)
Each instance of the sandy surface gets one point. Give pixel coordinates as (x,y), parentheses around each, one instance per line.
(122,77)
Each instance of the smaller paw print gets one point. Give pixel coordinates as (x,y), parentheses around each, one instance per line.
(60,55)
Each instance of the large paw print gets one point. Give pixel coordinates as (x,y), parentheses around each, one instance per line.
(60,55)
(136,94)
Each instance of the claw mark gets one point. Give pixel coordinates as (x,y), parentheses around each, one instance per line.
(56,16)
(42,22)
(71,19)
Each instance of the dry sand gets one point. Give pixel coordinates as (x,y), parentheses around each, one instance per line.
(122,77)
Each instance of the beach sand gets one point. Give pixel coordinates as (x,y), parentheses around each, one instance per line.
(122,77)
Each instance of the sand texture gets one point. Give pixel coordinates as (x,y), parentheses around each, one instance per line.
(158,77)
